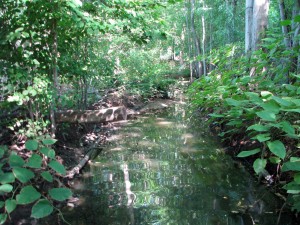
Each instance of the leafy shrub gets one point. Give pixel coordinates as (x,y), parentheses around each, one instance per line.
(263,107)
(18,177)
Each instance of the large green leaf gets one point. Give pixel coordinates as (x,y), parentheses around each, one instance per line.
(31,145)
(6,188)
(15,161)
(23,174)
(47,176)
(35,161)
(248,153)
(267,115)
(59,168)
(292,188)
(258,127)
(259,165)
(3,218)
(287,128)
(49,141)
(28,195)
(7,178)
(294,166)
(271,106)
(234,102)
(41,209)
(10,205)
(277,148)
(60,194)
(283,102)
(262,137)
(48,152)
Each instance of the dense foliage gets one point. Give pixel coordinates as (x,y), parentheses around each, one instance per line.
(255,100)
(62,54)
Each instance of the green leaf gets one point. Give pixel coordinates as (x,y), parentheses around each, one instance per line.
(6,188)
(277,148)
(59,168)
(262,137)
(2,204)
(292,188)
(297,178)
(294,166)
(41,209)
(283,102)
(15,161)
(271,106)
(259,165)
(285,22)
(27,195)
(248,153)
(234,102)
(60,194)
(23,174)
(10,205)
(258,127)
(47,176)
(48,152)
(3,149)
(31,145)
(3,218)
(287,127)
(7,178)
(266,94)
(49,141)
(267,115)
(274,160)
(35,161)
(216,115)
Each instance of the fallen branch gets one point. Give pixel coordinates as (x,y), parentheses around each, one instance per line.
(90,155)
(92,116)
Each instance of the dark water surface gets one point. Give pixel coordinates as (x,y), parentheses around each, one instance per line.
(161,169)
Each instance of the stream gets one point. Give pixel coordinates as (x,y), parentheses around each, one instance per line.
(164,169)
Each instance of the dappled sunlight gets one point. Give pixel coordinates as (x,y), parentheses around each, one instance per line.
(165,123)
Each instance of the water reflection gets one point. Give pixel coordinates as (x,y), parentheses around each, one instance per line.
(163,171)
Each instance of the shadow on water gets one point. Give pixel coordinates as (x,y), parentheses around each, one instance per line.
(162,170)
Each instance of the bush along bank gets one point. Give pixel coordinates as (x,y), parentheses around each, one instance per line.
(254,105)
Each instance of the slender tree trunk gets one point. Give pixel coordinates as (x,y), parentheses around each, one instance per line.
(285,29)
(248,25)
(296,29)
(189,41)
(197,63)
(54,77)
(203,40)
(260,21)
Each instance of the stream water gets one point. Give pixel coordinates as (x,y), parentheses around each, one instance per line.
(162,169)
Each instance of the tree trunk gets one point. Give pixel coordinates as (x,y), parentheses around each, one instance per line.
(197,63)
(54,77)
(248,25)
(189,41)
(203,40)
(285,29)
(260,21)
(296,29)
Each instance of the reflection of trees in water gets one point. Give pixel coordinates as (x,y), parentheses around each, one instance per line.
(164,173)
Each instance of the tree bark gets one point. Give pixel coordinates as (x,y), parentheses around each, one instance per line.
(285,29)
(197,63)
(248,25)
(260,21)
(54,77)
(92,116)
(203,40)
